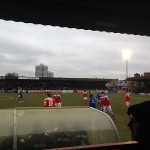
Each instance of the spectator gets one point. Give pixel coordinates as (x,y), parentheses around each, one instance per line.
(139,123)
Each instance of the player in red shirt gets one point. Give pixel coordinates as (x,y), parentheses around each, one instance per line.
(127,100)
(58,100)
(48,101)
(106,105)
(85,97)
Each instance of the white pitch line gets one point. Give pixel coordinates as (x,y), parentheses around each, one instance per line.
(5,98)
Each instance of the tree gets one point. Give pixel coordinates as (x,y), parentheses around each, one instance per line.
(12,75)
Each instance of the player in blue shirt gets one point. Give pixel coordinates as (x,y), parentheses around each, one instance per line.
(92,102)
(20,96)
(98,97)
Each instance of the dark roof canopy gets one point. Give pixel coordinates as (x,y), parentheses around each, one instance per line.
(96,15)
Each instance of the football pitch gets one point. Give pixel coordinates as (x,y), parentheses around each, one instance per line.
(10,100)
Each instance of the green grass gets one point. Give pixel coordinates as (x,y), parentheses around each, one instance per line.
(8,100)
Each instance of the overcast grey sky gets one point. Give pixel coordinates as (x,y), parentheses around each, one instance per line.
(70,52)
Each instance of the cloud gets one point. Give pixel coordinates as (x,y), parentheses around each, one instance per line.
(70,52)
